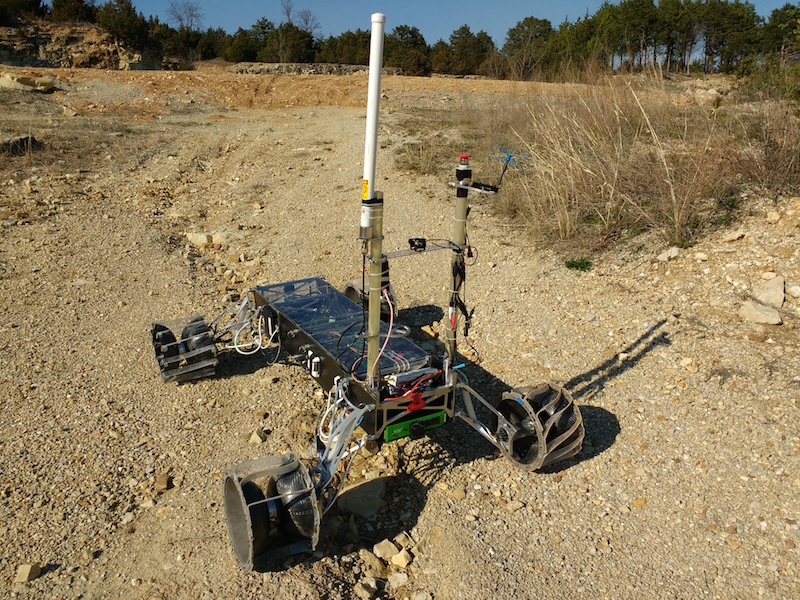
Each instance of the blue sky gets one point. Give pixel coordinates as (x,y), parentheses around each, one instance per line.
(436,19)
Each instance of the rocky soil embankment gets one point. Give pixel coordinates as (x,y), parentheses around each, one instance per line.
(43,44)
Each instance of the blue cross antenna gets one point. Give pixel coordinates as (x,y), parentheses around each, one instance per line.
(509,157)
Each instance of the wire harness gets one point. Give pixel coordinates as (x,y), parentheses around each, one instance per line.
(244,330)
(335,430)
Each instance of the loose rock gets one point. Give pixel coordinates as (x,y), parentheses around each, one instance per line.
(198,239)
(458,493)
(385,550)
(673,252)
(770,293)
(27,572)
(163,483)
(397,580)
(402,559)
(366,588)
(758,313)
(371,562)
(733,236)
(259,436)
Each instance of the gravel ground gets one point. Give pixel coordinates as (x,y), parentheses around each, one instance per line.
(111,481)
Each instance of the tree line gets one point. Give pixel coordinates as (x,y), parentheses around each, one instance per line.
(674,35)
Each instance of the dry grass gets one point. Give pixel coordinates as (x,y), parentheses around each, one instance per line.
(767,140)
(609,160)
(431,142)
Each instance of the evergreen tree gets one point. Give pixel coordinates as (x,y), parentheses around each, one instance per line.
(781,33)
(406,48)
(11,11)
(470,50)
(349,48)
(608,40)
(638,20)
(730,32)
(442,57)
(211,43)
(288,43)
(241,47)
(120,19)
(72,11)
(574,43)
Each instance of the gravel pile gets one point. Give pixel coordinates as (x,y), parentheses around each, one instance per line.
(111,482)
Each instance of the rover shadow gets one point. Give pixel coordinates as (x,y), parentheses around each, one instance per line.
(233,364)
(418,316)
(602,428)
(420,463)
(593,381)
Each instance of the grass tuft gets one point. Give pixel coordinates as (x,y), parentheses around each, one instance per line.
(579,264)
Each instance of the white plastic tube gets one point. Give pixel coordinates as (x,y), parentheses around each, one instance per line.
(371,200)
(373,104)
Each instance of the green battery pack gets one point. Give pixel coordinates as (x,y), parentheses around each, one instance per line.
(430,420)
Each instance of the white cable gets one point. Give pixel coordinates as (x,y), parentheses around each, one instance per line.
(335,429)
(330,404)
(245,315)
(335,495)
(255,344)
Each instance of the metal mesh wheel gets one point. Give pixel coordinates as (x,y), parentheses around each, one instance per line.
(544,426)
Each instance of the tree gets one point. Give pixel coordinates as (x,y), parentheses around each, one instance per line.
(186,15)
(469,50)
(607,40)
(730,32)
(441,57)
(77,11)
(406,48)
(307,21)
(212,43)
(677,31)
(241,47)
(743,29)
(12,11)
(526,46)
(349,48)
(287,6)
(245,44)
(781,32)
(288,43)
(638,21)
(571,44)
(120,19)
